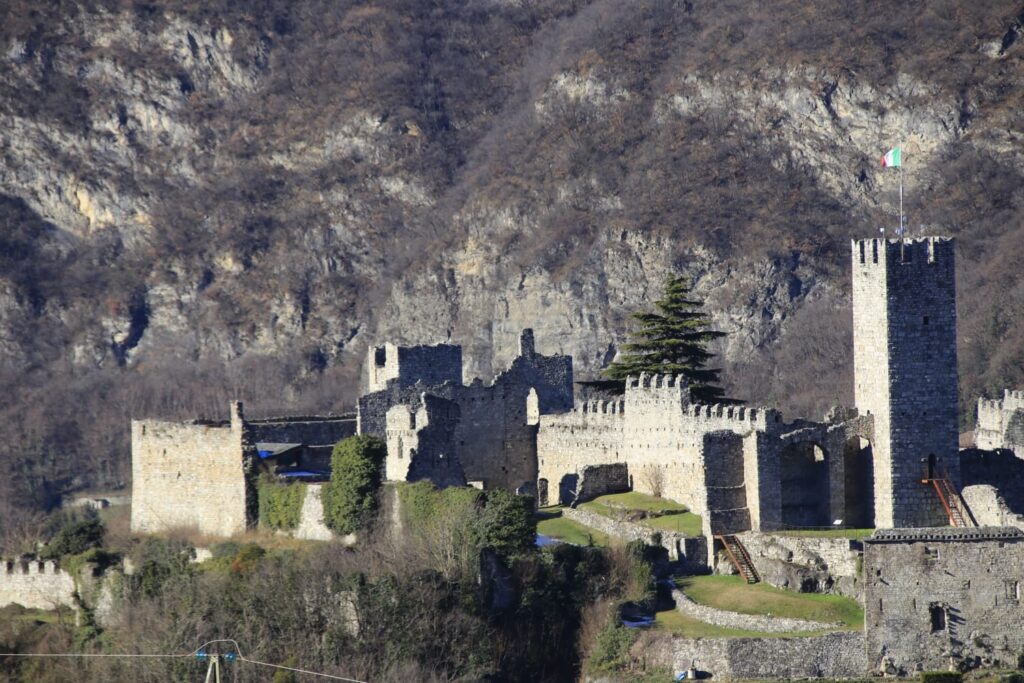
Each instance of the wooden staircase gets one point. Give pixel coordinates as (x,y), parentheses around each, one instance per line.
(952,502)
(740,557)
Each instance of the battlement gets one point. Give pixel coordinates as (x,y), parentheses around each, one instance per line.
(655,381)
(602,407)
(1012,400)
(407,365)
(30,568)
(907,251)
(741,415)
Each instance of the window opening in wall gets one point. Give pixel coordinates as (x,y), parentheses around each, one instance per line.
(938,618)
(926,320)
(862,252)
(879,605)
(874,251)
(931,555)
(1013,591)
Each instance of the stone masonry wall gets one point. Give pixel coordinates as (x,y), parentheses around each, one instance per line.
(407,365)
(989,508)
(942,598)
(904,323)
(600,480)
(1001,422)
(807,564)
(836,655)
(189,476)
(421,445)
(35,584)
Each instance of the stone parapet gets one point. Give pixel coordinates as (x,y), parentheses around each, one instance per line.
(36,584)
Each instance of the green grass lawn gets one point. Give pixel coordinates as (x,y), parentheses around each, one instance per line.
(736,595)
(679,519)
(676,622)
(854,534)
(570,531)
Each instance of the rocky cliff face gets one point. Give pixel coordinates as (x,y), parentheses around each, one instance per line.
(201,201)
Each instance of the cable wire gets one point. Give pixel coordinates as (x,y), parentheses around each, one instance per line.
(194,653)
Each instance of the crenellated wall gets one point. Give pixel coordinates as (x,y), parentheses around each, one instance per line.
(36,584)
(1001,423)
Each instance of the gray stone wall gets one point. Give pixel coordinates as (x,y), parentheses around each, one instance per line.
(421,444)
(835,655)
(943,598)
(600,480)
(310,431)
(408,365)
(1001,422)
(904,323)
(190,476)
(35,584)
(989,508)
(813,565)
(311,521)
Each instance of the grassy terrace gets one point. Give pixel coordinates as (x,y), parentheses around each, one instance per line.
(551,523)
(673,516)
(736,595)
(733,594)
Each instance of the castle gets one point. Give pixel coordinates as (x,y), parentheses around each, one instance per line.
(891,462)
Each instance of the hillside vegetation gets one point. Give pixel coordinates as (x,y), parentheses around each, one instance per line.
(207,200)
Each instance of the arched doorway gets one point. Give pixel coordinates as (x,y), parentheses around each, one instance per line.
(803,475)
(859,483)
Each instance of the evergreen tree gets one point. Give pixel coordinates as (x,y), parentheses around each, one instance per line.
(673,341)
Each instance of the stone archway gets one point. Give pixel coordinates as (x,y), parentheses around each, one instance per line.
(804,489)
(858,483)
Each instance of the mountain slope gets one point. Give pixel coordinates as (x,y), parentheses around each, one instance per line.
(200,201)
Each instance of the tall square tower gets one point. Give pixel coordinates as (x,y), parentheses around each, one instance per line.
(905,372)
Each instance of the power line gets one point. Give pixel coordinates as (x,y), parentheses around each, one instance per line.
(201,650)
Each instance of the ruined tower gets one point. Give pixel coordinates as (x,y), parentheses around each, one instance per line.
(905,372)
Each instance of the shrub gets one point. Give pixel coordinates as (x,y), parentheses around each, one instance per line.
(75,538)
(350,497)
(941,677)
(280,504)
(1014,677)
(611,652)
(508,522)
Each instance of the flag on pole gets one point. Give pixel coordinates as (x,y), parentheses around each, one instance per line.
(894,157)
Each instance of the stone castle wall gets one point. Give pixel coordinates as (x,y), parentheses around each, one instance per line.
(311,520)
(35,584)
(691,551)
(197,475)
(1001,422)
(407,365)
(989,508)
(904,323)
(421,444)
(1000,468)
(189,476)
(835,655)
(942,598)
(494,432)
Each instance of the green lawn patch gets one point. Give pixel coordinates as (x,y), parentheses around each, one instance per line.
(682,522)
(676,517)
(854,534)
(570,531)
(736,595)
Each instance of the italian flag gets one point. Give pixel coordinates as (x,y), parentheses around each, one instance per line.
(893,158)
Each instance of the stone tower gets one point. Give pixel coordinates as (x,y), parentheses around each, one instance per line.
(905,372)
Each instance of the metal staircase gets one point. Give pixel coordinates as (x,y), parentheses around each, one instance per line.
(740,557)
(954,505)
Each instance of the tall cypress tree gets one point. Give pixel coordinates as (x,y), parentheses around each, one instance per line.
(673,341)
